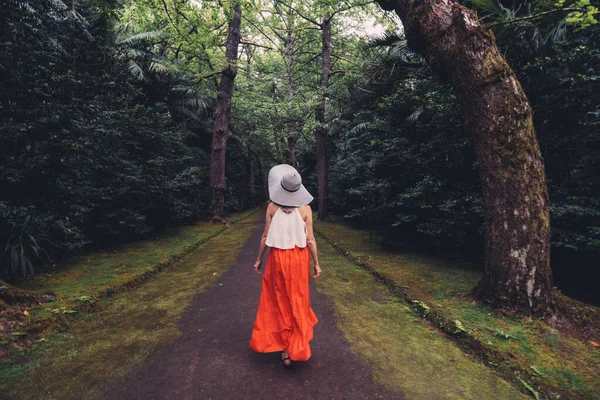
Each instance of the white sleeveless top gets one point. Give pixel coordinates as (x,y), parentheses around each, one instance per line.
(286,230)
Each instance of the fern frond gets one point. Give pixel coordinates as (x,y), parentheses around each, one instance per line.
(386,39)
(140,37)
(137,71)
(490,6)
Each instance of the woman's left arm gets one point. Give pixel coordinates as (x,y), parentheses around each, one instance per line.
(263,239)
(311,241)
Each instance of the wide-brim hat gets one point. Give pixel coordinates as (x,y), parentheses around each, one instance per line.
(286,188)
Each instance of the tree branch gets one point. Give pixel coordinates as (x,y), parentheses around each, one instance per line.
(255,44)
(364,90)
(348,8)
(301,15)
(512,21)
(260,30)
(171,20)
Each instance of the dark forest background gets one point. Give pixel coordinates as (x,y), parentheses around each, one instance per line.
(102,142)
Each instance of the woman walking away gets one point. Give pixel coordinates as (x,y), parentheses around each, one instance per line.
(284,320)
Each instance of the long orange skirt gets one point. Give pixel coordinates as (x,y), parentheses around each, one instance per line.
(284,320)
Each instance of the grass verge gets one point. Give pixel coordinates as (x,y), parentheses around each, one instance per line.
(119,331)
(405,353)
(92,275)
(536,357)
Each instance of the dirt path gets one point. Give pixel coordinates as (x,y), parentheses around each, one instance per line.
(212,360)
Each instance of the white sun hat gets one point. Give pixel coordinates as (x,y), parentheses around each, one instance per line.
(286,188)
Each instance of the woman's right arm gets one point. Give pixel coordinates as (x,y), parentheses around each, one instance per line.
(263,239)
(311,242)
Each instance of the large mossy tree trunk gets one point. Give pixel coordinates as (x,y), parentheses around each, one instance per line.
(517,224)
(221,126)
(321,130)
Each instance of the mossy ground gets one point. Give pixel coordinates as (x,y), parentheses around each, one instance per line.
(405,354)
(124,329)
(526,350)
(93,273)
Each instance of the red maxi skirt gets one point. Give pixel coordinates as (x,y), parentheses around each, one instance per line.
(284,320)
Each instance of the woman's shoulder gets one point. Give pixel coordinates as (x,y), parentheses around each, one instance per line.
(305,211)
(272,208)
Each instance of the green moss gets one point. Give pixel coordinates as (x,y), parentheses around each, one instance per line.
(510,343)
(95,272)
(406,355)
(125,330)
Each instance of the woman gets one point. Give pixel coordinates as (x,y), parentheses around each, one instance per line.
(284,321)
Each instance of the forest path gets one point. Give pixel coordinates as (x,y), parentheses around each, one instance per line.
(211,359)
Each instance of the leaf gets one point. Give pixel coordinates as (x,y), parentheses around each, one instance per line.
(591,341)
(490,6)
(459,326)
(138,37)
(528,387)
(29,264)
(158,67)
(414,116)
(537,371)
(421,307)
(137,71)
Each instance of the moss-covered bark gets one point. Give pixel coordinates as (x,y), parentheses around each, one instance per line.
(461,51)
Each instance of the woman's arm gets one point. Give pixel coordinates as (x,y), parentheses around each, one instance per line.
(263,239)
(310,240)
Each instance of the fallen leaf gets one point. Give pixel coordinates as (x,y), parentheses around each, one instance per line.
(594,344)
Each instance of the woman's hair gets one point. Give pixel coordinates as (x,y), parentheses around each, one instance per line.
(285,209)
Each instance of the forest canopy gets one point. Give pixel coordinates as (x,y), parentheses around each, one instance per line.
(107,109)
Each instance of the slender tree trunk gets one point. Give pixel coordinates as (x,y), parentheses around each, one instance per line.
(221,127)
(321,131)
(264,191)
(292,126)
(517,224)
(291,142)
(252,178)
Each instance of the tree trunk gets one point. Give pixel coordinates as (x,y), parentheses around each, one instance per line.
(221,127)
(321,131)
(264,190)
(291,142)
(251,177)
(517,224)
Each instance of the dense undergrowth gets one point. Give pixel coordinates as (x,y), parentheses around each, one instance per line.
(403,160)
(559,359)
(100,142)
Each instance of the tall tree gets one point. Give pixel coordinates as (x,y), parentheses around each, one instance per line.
(328,11)
(517,223)
(321,130)
(221,126)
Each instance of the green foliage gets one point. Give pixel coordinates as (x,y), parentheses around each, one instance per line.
(527,29)
(403,160)
(21,246)
(102,137)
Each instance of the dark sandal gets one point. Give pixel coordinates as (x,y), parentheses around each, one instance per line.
(284,359)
